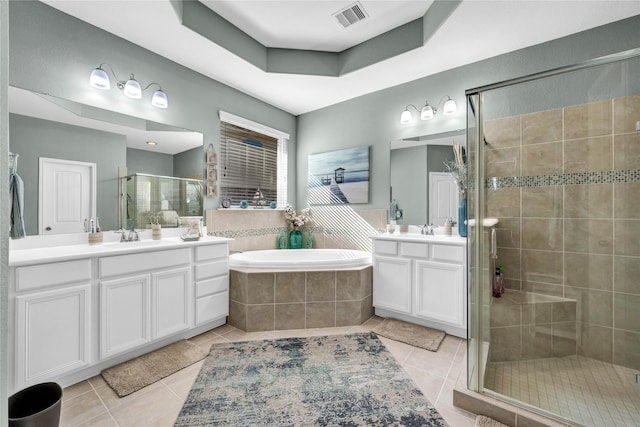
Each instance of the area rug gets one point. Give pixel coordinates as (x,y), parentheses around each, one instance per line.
(342,380)
(482,421)
(142,371)
(415,335)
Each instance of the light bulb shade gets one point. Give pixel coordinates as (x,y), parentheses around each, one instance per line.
(449,107)
(405,117)
(99,79)
(132,89)
(426,113)
(160,99)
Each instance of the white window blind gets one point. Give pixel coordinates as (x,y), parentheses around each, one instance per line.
(250,160)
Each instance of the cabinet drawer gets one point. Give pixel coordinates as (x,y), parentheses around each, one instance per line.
(448,253)
(212,307)
(145,261)
(212,269)
(212,286)
(211,252)
(39,276)
(385,247)
(415,250)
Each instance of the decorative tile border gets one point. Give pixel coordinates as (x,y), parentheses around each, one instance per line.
(576,178)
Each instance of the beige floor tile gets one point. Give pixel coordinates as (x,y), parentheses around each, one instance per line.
(102,420)
(76,390)
(180,382)
(399,350)
(97,381)
(430,385)
(457,417)
(81,408)
(157,407)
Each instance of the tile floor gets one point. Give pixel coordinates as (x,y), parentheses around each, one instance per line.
(93,403)
(587,391)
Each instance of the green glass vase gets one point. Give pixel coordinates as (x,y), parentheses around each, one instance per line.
(295,238)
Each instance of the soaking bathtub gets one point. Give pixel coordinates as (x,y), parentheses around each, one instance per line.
(299,289)
(300,259)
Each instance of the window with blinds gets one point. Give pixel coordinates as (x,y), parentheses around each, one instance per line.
(249,160)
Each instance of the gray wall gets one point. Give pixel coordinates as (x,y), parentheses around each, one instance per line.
(374,119)
(148,162)
(189,164)
(34,138)
(54,53)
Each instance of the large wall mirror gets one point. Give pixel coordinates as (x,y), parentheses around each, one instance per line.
(419,182)
(46,127)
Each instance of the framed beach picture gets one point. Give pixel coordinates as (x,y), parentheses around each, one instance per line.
(339,177)
(212,173)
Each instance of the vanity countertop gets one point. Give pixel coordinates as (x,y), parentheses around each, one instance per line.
(416,237)
(40,255)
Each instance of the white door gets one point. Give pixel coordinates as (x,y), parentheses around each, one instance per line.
(67,195)
(443,198)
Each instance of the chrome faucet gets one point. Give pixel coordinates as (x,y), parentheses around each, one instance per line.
(131,237)
(426,229)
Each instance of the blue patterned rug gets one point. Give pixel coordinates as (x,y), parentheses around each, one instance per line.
(341,380)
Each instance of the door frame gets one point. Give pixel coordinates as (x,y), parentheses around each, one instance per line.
(42,162)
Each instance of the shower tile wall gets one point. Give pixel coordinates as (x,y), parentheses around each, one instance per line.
(569,220)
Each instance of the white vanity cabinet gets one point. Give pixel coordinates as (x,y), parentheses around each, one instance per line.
(143,297)
(211,271)
(52,320)
(77,310)
(421,279)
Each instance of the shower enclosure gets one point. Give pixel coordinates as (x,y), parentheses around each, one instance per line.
(556,159)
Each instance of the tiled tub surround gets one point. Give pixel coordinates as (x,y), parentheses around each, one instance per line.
(565,192)
(333,227)
(266,301)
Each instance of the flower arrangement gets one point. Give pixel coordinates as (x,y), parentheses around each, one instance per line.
(297,219)
(458,169)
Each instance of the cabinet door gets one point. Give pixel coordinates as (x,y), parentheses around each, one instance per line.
(392,284)
(53,334)
(124,314)
(440,292)
(170,302)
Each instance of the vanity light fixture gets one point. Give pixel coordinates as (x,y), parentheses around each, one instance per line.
(428,112)
(99,79)
(152,143)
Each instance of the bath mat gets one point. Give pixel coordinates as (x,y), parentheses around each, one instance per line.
(415,335)
(482,421)
(142,371)
(345,380)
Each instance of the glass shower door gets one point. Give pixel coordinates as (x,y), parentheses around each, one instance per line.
(556,159)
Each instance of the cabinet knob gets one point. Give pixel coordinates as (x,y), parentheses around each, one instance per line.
(48,229)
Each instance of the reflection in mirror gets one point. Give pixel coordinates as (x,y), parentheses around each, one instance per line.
(151,199)
(419,182)
(45,126)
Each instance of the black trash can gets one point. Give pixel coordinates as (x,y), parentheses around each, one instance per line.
(36,406)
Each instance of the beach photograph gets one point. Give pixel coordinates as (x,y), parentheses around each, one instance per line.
(339,177)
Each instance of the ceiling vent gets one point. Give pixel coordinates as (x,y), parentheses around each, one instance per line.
(351,14)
